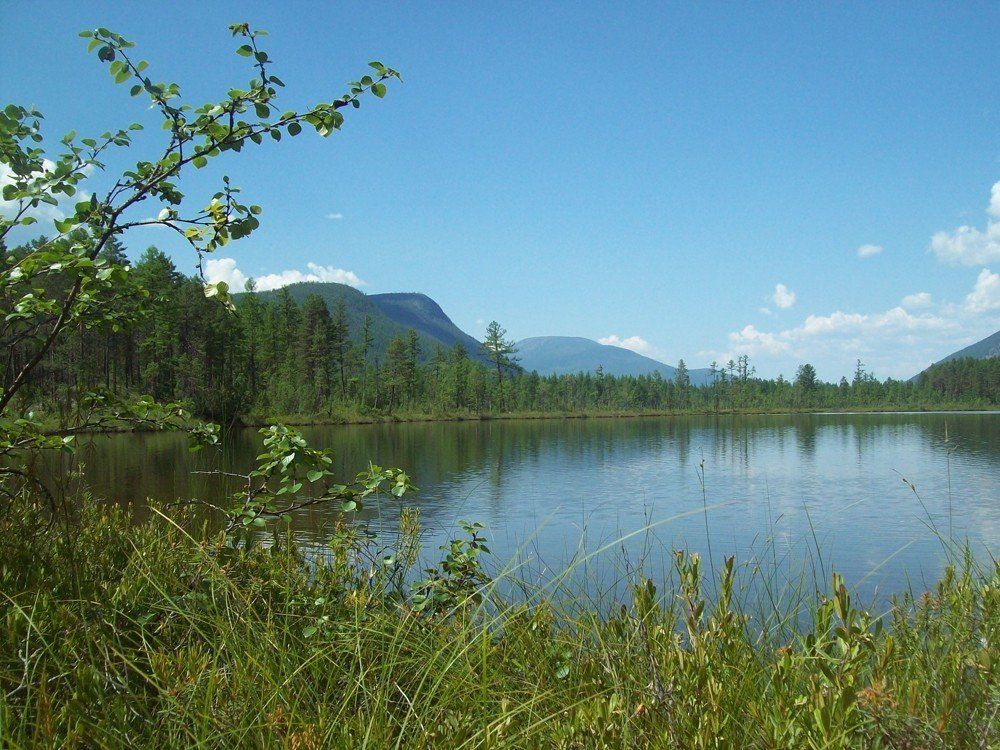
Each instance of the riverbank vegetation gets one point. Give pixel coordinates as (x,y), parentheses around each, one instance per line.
(165,635)
(273,357)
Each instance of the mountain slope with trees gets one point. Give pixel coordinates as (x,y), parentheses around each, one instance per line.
(389,315)
(964,378)
(988,347)
(423,314)
(984,349)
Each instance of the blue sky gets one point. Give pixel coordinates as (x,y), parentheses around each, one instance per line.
(643,174)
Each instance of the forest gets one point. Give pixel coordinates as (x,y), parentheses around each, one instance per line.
(274,357)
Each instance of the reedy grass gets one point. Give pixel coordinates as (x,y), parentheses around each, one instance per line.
(158,634)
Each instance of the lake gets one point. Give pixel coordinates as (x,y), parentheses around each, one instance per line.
(805,492)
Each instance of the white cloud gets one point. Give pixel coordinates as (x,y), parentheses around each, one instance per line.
(335,217)
(985,295)
(867,251)
(836,322)
(764,311)
(750,340)
(897,342)
(783,297)
(225,269)
(968,245)
(633,343)
(920,299)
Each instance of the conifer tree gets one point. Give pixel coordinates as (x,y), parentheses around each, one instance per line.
(501,353)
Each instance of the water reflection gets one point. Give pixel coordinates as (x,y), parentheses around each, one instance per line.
(787,488)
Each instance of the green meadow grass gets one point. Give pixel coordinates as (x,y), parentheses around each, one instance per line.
(159,635)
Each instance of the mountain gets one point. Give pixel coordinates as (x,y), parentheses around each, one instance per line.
(420,312)
(562,355)
(988,347)
(396,313)
(391,315)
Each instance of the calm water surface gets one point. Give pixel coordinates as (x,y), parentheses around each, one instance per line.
(794,491)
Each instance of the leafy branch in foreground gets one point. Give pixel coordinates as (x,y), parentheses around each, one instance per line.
(273,489)
(70,280)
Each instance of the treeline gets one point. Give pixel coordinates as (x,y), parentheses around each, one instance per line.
(964,379)
(274,357)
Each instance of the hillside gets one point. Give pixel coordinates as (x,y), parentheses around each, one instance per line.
(988,347)
(394,314)
(420,312)
(564,355)
(391,315)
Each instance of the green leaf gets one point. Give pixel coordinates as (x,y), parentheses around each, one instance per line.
(245,51)
(294,129)
(379,90)
(314,475)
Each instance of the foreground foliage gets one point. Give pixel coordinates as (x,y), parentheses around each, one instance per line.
(75,285)
(121,636)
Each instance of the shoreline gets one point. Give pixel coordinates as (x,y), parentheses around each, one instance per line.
(305,421)
(299,420)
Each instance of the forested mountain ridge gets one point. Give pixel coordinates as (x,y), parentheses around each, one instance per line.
(423,314)
(569,355)
(977,377)
(390,315)
(984,349)
(988,347)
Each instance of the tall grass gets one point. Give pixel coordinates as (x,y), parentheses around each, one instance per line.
(159,635)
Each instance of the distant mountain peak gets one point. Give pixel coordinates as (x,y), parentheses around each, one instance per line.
(566,355)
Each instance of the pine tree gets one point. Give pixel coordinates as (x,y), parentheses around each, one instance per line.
(316,343)
(500,351)
(340,341)
(398,363)
(367,339)
(251,315)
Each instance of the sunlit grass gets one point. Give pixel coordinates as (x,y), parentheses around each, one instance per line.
(124,636)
